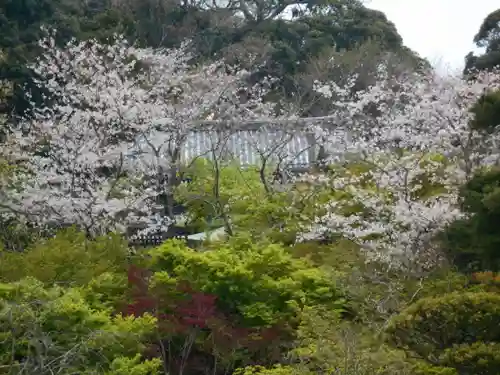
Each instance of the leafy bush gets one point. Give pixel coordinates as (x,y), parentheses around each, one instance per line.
(472,359)
(260,370)
(457,330)
(487,111)
(473,243)
(329,345)
(67,258)
(259,282)
(342,255)
(15,234)
(47,330)
(424,368)
(434,323)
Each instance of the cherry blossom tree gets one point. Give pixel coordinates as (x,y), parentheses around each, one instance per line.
(411,145)
(105,153)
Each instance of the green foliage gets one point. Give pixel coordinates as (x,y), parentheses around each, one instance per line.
(165,23)
(217,193)
(473,243)
(326,344)
(447,281)
(67,258)
(423,368)
(486,281)
(289,47)
(260,370)
(472,359)
(487,112)
(107,291)
(53,329)
(444,282)
(259,282)
(487,34)
(98,267)
(343,256)
(457,330)
(488,39)
(134,366)
(426,184)
(20,30)
(58,309)
(15,235)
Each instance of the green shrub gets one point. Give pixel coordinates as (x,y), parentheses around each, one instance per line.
(457,330)
(433,324)
(262,283)
(424,368)
(68,258)
(473,244)
(49,330)
(260,370)
(487,111)
(327,344)
(473,359)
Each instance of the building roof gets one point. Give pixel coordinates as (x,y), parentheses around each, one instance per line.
(250,144)
(251,147)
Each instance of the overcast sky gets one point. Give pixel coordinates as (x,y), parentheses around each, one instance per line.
(440,30)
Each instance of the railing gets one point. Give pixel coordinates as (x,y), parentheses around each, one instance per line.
(153,240)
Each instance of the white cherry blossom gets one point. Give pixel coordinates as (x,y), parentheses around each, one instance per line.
(105,154)
(404,128)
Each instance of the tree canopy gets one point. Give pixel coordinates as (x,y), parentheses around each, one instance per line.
(488,39)
(255,32)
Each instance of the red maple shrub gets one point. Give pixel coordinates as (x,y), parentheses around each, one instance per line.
(191,318)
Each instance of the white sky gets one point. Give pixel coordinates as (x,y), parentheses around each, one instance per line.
(439,30)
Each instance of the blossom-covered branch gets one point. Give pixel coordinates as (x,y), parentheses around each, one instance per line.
(411,145)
